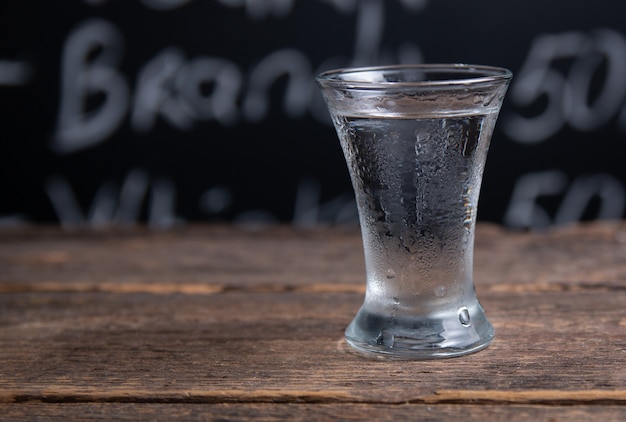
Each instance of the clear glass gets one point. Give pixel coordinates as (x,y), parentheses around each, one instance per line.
(415,139)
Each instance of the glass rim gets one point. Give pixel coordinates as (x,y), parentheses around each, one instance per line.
(475,74)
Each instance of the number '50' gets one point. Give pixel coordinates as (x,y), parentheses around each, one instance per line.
(574,78)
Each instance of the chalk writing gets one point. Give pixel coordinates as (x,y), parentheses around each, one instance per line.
(82,76)
(299,88)
(155,96)
(114,204)
(525,210)
(14,72)
(568,95)
(169,86)
(215,200)
(309,211)
(570,80)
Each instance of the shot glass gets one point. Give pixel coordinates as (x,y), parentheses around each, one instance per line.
(415,140)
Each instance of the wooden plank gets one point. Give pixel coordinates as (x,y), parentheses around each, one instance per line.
(303,412)
(224,257)
(194,256)
(214,315)
(287,346)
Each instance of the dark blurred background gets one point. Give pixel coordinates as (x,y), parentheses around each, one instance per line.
(172,111)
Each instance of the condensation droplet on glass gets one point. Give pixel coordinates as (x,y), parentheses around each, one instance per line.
(464,316)
(468,208)
(420,138)
(386,338)
(440,291)
(391,273)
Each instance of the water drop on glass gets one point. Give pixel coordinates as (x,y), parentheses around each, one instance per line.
(391,273)
(464,317)
(440,291)
(385,338)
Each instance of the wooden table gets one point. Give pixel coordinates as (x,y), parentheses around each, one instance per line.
(218,322)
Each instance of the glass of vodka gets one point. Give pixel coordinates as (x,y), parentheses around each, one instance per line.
(415,139)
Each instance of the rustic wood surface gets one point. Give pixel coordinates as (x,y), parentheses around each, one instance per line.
(219,322)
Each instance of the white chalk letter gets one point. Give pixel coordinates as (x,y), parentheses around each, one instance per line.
(90,56)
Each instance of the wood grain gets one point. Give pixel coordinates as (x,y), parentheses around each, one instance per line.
(232,319)
(303,412)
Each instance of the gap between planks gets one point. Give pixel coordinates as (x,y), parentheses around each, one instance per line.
(213,289)
(173,288)
(492,397)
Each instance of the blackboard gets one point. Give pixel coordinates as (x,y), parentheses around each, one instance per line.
(172,111)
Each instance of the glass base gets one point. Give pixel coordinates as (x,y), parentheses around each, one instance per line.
(445,334)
